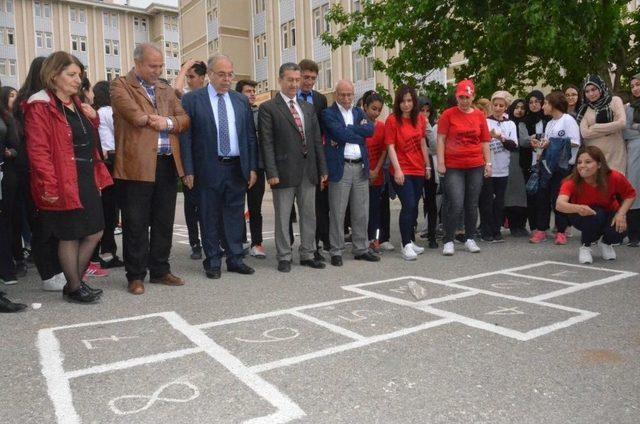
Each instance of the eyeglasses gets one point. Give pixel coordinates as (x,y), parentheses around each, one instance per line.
(571,95)
(223,75)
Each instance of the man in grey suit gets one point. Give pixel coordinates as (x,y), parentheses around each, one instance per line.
(295,164)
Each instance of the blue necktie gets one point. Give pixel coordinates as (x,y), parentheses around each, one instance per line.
(223,127)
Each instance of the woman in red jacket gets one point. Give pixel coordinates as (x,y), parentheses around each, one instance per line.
(67,172)
(597,200)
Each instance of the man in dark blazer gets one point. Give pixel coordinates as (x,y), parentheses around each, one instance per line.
(220,158)
(294,162)
(346,128)
(309,74)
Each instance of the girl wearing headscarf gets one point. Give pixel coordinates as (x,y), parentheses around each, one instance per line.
(602,118)
(632,137)
(515,198)
(530,134)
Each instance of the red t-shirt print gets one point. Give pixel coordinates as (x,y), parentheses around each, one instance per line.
(407,141)
(465,133)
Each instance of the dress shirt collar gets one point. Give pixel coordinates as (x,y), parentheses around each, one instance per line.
(214,94)
(343,110)
(287,100)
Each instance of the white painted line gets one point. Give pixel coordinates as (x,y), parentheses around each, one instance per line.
(389,280)
(334,328)
(531,277)
(342,348)
(583,286)
(58,386)
(287,410)
(111,321)
(134,362)
(590,267)
(559,325)
(275,313)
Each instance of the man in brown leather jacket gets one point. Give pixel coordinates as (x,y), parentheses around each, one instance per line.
(147,119)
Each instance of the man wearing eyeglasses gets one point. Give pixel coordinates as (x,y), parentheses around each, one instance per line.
(220,159)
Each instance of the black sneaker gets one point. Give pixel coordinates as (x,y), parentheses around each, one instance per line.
(115,262)
(7,306)
(196,252)
(498,239)
(80,295)
(433,244)
(488,239)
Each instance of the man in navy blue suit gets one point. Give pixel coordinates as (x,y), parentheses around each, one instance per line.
(346,128)
(220,159)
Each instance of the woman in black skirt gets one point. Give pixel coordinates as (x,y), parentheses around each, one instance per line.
(67,173)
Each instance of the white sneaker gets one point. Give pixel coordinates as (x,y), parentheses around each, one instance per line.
(408,254)
(448,249)
(471,246)
(257,251)
(387,246)
(608,254)
(584,255)
(419,250)
(55,283)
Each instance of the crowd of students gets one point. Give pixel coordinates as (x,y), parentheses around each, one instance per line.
(574,152)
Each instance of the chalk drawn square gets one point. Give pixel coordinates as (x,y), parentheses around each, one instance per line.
(105,343)
(273,338)
(568,273)
(371,317)
(518,286)
(505,313)
(399,289)
(180,390)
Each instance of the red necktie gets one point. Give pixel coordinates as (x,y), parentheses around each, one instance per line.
(298,121)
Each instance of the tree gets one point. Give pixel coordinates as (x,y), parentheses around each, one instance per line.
(508,44)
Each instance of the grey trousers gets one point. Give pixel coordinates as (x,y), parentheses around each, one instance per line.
(305,196)
(352,188)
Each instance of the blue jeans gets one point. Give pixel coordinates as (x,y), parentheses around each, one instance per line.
(409,194)
(462,187)
(596,226)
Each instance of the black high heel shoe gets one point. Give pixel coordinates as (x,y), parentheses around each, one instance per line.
(80,295)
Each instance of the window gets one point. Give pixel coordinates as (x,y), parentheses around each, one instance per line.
(139,24)
(368,68)
(77,15)
(78,43)
(358,67)
(324,75)
(213,45)
(12,67)
(288,31)
(6,6)
(258,47)
(112,47)
(262,86)
(355,6)
(44,40)
(170,23)
(110,20)
(143,24)
(73,14)
(42,10)
(176,50)
(82,16)
(264,45)
(320,23)
(112,73)
(259,6)
(212,15)
(39,39)
(7,36)
(171,50)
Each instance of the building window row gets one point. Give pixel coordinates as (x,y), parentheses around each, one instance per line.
(320,24)
(262,86)
(7,67)
(211,4)
(212,14)
(79,43)
(110,20)
(7,36)
(6,6)
(44,40)
(325,80)
(77,15)
(112,73)
(42,10)
(171,23)
(139,24)
(288,31)
(112,47)
(261,46)
(362,67)
(260,6)
(171,49)
(213,46)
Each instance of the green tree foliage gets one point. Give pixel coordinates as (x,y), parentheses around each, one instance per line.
(508,44)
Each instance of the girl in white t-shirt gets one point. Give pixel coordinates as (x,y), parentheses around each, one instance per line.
(504,136)
(561,126)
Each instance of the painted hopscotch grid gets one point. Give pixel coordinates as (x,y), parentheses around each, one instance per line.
(286,410)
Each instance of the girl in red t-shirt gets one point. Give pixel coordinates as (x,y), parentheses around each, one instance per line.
(376,149)
(404,135)
(463,159)
(592,195)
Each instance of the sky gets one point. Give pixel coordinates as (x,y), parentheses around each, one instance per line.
(145,3)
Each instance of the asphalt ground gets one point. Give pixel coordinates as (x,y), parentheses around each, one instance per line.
(516,333)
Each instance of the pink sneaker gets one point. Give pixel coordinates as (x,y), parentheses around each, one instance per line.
(561,238)
(538,237)
(95,270)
